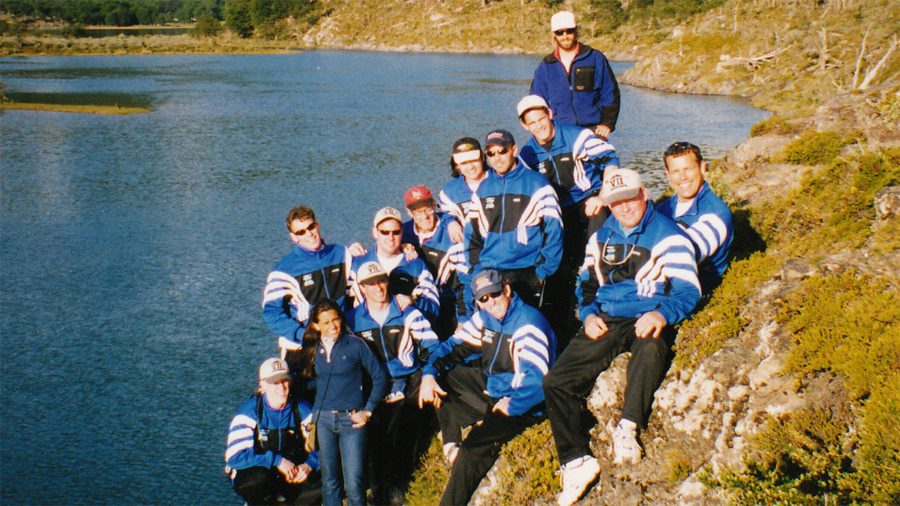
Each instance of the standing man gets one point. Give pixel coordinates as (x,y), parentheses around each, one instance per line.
(510,346)
(430,233)
(577,81)
(573,159)
(312,271)
(699,211)
(514,223)
(398,337)
(639,279)
(410,280)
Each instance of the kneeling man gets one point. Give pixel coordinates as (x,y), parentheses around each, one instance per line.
(639,278)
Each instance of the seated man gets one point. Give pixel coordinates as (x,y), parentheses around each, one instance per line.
(699,211)
(639,279)
(514,223)
(266,453)
(398,337)
(410,280)
(509,346)
(429,232)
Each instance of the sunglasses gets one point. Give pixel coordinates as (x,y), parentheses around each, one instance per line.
(501,151)
(679,148)
(390,232)
(486,297)
(568,31)
(303,231)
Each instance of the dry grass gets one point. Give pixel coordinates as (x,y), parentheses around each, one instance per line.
(86,109)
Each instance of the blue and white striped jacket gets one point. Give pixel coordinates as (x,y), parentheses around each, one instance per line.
(455,198)
(399,343)
(516,353)
(240,454)
(425,294)
(299,281)
(708,223)
(652,269)
(575,163)
(514,222)
(445,258)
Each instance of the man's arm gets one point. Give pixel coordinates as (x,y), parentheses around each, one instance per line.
(532,359)
(610,98)
(551,222)
(281,294)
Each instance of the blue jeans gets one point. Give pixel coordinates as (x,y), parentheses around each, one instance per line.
(341,454)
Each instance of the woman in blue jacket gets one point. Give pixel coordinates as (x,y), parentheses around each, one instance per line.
(341,410)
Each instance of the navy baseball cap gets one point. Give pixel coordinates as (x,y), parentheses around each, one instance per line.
(499,137)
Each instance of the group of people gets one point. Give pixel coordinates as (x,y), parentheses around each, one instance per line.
(497,304)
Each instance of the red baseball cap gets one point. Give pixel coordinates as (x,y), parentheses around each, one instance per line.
(418,196)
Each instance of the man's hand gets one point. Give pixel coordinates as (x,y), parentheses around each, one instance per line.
(602,131)
(502,406)
(409,251)
(403,300)
(303,471)
(357,250)
(288,469)
(359,418)
(649,325)
(593,205)
(456,231)
(430,391)
(594,326)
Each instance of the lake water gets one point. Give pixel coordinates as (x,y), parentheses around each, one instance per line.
(134,249)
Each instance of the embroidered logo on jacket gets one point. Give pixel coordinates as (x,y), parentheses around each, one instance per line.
(308,280)
(488,336)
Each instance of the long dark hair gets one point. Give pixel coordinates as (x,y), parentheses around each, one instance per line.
(305,358)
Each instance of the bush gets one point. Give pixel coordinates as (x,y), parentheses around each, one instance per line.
(207,26)
(530,470)
(775,124)
(815,148)
(74,31)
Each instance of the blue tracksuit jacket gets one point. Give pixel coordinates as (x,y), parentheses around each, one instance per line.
(575,163)
(240,453)
(516,353)
(455,198)
(653,268)
(514,222)
(444,258)
(300,280)
(708,223)
(586,96)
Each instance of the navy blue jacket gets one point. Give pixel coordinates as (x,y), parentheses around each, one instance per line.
(339,381)
(586,96)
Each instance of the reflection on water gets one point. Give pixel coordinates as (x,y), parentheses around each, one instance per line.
(134,249)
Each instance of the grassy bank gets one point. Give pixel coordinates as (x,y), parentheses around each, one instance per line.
(86,109)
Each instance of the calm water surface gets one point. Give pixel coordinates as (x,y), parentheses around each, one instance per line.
(134,249)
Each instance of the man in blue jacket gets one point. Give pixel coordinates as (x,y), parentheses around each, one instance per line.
(638,280)
(312,271)
(514,223)
(508,346)
(699,211)
(577,80)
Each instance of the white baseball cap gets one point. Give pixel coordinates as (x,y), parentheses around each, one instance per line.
(274,370)
(562,20)
(387,213)
(370,272)
(620,184)
(531,102)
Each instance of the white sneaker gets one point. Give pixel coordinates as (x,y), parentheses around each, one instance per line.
(577,477)
(451,450)
(626,447)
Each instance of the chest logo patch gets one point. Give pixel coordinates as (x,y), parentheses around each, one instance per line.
(488,336)
(308,280)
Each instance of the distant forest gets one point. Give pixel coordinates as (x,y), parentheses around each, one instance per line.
(115,12)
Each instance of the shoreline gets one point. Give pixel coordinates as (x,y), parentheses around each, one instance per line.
(83,109)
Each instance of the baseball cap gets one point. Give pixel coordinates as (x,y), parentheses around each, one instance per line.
(466,150)
(487,281)
(620,184)
(499,138)
(531,102)
(274,370)
(387,213)
(562,20)
(370,272)
(418,196)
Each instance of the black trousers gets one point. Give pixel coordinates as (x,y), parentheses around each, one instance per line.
(572,377)
(465,404)
(261,485)
(559,294)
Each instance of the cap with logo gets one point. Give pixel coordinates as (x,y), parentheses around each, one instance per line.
(562,20)
(466,150)
(418,196)
(487,281)
(387,213)
(531,102)
(371,272)
(274,370)
(499,138)
(620,184)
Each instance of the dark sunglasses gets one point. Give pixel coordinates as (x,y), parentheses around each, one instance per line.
(501,151)
(680,148)
(390,232)
(489,296)
(568,31)
(303,231)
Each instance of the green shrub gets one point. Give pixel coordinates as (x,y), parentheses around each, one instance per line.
(207,26)
(815,148)
(430,478)
(775,124)
(74,31)
(529,473)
